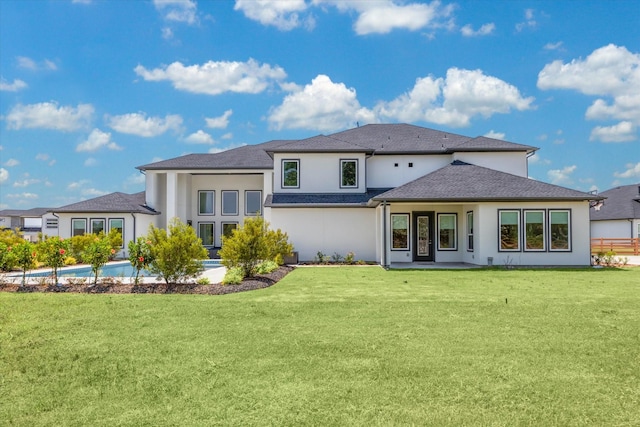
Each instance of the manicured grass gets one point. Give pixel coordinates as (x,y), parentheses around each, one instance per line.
(333,346)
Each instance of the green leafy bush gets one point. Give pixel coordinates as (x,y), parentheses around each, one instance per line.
(140,255)
(177,254)
(97,254)
(252,244)
(52,253)
(25,255)
(233,276)
(7,257)
(266,267)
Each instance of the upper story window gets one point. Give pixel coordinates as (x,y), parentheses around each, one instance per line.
(252,202)
(230,203)
(348,173)
(205,202)
(291,173)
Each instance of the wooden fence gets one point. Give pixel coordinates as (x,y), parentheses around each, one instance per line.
(619,246)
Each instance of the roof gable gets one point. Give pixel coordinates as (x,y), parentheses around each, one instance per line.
(462,181)
(114,202)
(621,203)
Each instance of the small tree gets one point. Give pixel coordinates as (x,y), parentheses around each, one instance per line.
(140,255)
(97,253)
(252,244)
(52,252)
(7,257)
(176,255)
(25,254)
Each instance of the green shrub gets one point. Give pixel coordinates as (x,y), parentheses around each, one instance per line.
(140,255)
(70,261)
(233,276)
(252,244)
(52,252)
(266,267)
(25,254)
(176,255)
(203,281)
(97,254)
(349,257)
(10,237)
(7,257)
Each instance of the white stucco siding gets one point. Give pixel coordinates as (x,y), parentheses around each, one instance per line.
(614,229)
(329,230)
(487,236)
(510,162)
(382,171)
(319,172)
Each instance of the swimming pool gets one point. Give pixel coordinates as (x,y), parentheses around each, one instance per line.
(112,269)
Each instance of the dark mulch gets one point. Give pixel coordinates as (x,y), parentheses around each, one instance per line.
(113,287)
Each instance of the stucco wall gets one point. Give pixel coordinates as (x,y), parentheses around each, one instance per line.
(328,230)
(514,163)
(614,229)
(382,171)
(318,172)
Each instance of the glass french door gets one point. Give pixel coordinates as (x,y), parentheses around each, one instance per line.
(423,236)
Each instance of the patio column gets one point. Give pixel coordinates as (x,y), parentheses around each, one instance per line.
(172,196)
(267,188)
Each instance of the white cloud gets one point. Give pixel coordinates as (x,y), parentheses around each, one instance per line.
(45,158)
(384,16)
(96,140)
(214,78)
(12,87)
(184,11)
(454,101)
(495,135)
(93,192)
(284,15)
(200,137)
(167,33)
(90,162)
(11,163)
(484,30)
(536,159)
(77,184)
(321,105)
(220,122)
(227,135)
(30,64)
(529,22)
(30,196)
(4,175)
(228,147)
(553,46)
(26,182)
(49,115)
(621,132)
(561,176)
(610,71)
(141,125)
(633,171)
(135,179)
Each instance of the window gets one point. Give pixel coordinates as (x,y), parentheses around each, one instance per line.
(348,173)
(447,232)
(118,225)
(559,231)
(509,230)
(534,231)
(78,227)
(290,174)
(229,203)
(206,205)
(253,202)
(400,231)
(228,227)
(52,223)
(97,226)
(470,231)
(206,233)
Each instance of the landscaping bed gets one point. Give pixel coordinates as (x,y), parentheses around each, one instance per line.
(116,286)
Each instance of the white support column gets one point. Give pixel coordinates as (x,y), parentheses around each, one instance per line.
(267,188)
(172,196)
(151,189)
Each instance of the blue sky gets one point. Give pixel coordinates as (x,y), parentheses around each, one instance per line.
(91,89)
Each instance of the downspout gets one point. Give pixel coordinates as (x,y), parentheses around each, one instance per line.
(58,218)
(384,234)
(134,227)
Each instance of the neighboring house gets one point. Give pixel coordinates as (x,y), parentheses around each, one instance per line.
(619,216)
(127,213)
(28,221)
(390,193)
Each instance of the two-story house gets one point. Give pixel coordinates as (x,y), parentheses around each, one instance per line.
(390,193)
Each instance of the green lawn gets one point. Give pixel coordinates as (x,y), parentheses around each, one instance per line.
(333,346)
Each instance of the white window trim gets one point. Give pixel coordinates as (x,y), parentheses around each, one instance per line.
(213,203)
(342,162)
(297,161)
(455,231)
(246,204)
(224,205)
(544,230)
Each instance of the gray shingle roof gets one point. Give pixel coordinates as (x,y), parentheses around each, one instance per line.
(322,199)
(461,181)
(114,202)
(25,213)
(621,203)
(376,138)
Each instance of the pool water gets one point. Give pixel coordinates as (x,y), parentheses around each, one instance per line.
(113,269)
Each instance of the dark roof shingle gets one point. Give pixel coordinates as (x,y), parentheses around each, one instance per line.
(114,202)
(620,203)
